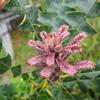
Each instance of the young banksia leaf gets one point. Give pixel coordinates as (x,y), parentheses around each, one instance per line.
(31,43)
(47,72)
(44,35)
(86,64)
(53,54)
(50,59)
(79,38)
(36,60)
(73,48)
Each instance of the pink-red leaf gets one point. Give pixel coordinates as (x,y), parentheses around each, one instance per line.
(63,36)
(73,48)
(50,59)
(31,43)
(36,60)
(67,68)
(79,38)
(46,72)
(63,28)
(86,64)
(39,46)
(44,35)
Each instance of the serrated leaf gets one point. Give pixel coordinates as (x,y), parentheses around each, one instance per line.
(5,64)
(16,71)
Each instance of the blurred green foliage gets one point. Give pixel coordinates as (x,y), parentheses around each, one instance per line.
(81,15)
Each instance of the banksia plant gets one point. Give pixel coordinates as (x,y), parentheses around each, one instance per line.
(53,58)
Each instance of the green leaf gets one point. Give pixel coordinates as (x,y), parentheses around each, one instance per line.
(84,5)
(75,19)
(39,28)
(42,5)
(20,7)
(5,64)
(54,13)
(82,86)
(32,17)
(56,6)
(25,76)
(26,27)
(16,71)
(84,77)
(97,84)
(24,2)
(51,19)
(36,76)
(78,21)
(24,8)
(0,45)
(95,10)
(91,73)
(17,6)
(13,6)
(35,73)
(89,7)
(66,11)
